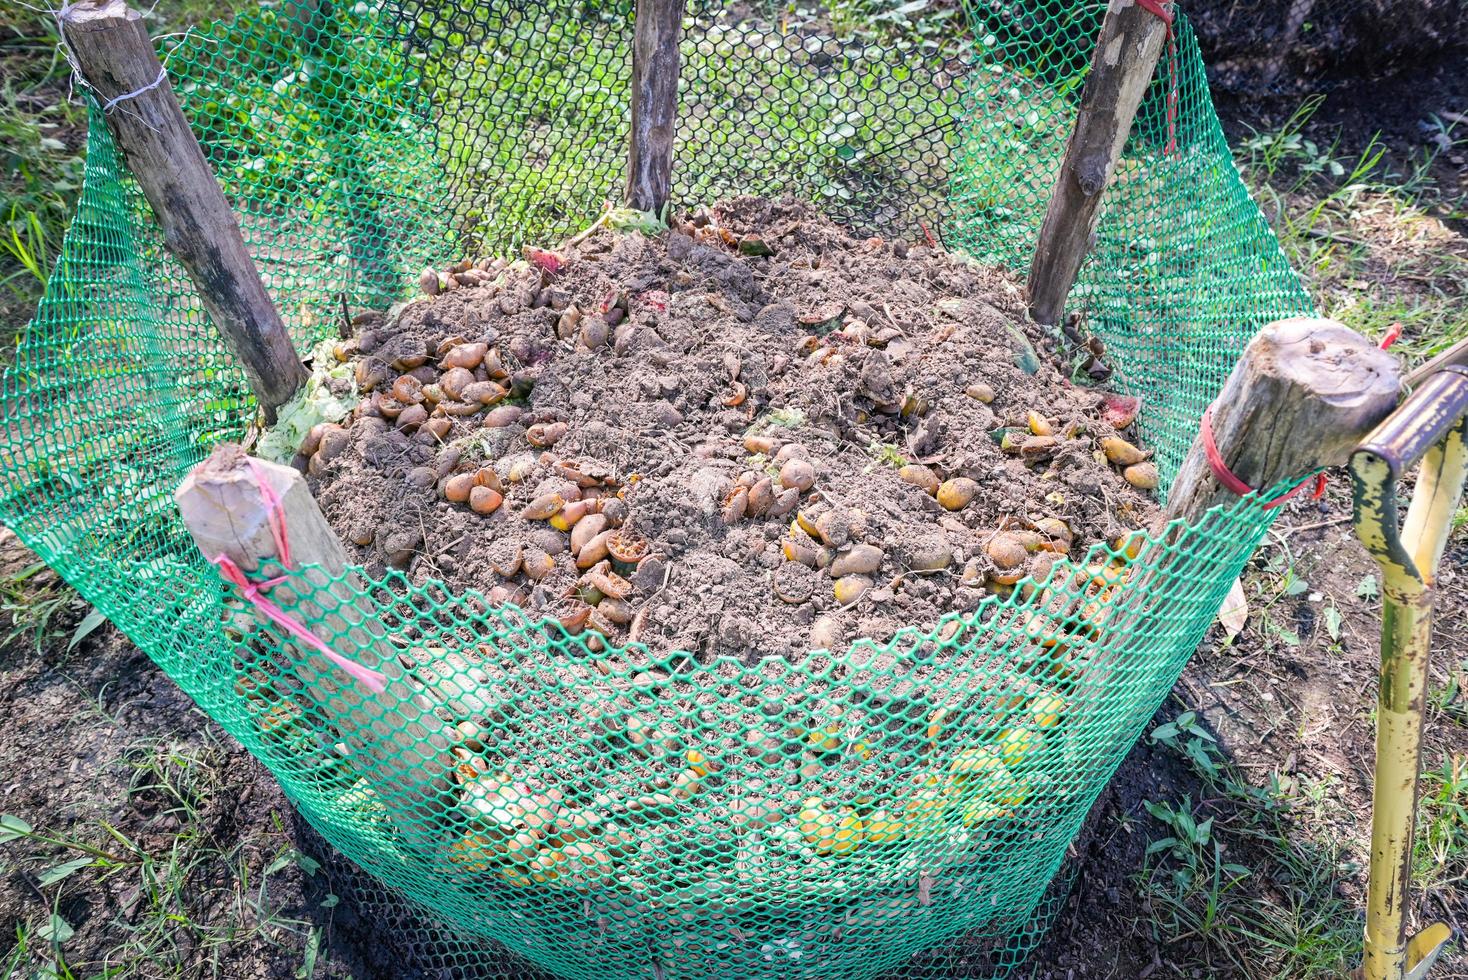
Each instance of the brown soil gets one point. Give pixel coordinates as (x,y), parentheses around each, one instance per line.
(738,421)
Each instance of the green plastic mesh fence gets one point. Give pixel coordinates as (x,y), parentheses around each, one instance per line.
(602,830)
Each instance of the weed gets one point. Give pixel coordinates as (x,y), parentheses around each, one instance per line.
(1199,872)
(192,898)
(887,454)
(1369,237)
(1440,855)
(37,606)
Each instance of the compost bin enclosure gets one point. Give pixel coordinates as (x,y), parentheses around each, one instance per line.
(359,142)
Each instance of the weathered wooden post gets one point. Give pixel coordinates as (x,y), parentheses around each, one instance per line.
(1303,395)
(228,503)
(655,64)
(1131,40)
(115,56)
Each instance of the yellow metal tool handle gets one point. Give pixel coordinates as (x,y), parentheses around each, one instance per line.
(1430,427)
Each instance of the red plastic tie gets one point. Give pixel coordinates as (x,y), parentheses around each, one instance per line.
(253,592)
(1164,13)
(1231,481)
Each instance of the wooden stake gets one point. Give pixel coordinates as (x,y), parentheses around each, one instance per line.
(655,65)
(401,745)
(116,58)
(1127,49)
(1303,396)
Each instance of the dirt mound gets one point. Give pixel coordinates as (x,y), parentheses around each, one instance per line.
(751,436)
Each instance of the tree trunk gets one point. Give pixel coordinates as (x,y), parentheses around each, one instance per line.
(655,64)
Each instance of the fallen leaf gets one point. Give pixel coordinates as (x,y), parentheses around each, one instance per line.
(1234,612)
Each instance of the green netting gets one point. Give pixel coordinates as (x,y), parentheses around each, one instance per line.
(899,806)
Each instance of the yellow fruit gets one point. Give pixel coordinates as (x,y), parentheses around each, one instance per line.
(882,827)
(826,739)
(850,588)
(936,722)
(850,832)
(471,852)
(1120,452)
(1046,710)
(1129,546)
(1016,744)
(698,763)
(979,761)
(920,476)
(1006,551)
(1143,476)
(1012,793)
(1039,424)
(982,811)
(954,494)
(817,824)
(546,867)
(516,878)
(924,812)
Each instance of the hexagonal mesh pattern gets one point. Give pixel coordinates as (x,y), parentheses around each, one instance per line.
(896,807)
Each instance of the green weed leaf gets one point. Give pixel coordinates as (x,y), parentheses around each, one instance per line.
(13,828)
(83,629)
(63,871)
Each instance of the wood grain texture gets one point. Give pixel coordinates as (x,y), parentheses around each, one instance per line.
(400,746)
(1127,49)
(116,57)
(1303,395)
(655,66)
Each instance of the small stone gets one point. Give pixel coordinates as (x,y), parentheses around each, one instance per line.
(650,573)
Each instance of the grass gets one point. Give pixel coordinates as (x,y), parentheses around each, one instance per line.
(40,160)
(36,608)
(1371,240)
(1231,880)
(42,150)
(188,897)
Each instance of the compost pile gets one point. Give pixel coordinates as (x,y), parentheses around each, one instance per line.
(753,435)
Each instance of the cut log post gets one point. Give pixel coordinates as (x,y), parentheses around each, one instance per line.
(655,65)
(1127,50)
(399,745)
(115,56)
(1303,395)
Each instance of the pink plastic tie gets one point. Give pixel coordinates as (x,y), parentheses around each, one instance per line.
(253,592)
